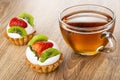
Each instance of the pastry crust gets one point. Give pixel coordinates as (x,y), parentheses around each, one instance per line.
(20,41)
(47,68)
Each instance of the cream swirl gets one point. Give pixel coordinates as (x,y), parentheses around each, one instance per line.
(29,29)
(34,60)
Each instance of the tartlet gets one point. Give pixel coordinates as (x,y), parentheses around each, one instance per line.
(43,55)
(20,29)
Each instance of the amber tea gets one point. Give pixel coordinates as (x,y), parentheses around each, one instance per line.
(82,30)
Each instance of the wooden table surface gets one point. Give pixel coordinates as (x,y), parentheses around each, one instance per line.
(74,67)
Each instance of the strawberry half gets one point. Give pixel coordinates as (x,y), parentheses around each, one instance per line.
(18,22)
(41,46)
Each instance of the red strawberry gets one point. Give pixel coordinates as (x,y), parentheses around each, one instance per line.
(41,46)
(18,22)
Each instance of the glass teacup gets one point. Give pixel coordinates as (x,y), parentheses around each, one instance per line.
(88,28)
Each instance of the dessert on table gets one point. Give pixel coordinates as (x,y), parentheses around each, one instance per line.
(42,54)
(20,29)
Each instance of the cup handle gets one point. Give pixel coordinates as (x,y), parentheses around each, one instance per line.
(111,45)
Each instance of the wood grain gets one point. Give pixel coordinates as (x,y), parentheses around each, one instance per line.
(74,66)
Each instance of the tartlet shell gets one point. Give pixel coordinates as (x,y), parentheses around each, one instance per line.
(20,41)
(47,68)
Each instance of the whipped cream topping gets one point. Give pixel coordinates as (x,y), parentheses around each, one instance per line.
(29,29)
(34,60)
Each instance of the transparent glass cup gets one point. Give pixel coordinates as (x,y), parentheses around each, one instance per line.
(88,28)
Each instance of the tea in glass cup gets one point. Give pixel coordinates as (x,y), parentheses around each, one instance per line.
(88,28)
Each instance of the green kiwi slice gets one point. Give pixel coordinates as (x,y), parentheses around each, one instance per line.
(50,52)
(28,17)
(36,38)
(17,29)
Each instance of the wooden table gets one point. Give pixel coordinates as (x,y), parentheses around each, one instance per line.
(74,67)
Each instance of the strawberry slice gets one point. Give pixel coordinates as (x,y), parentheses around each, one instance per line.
(18,22)
(41,46)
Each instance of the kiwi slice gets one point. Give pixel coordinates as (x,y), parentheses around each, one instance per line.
(36,38)
(50,52)
(27,17)
(17,29)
